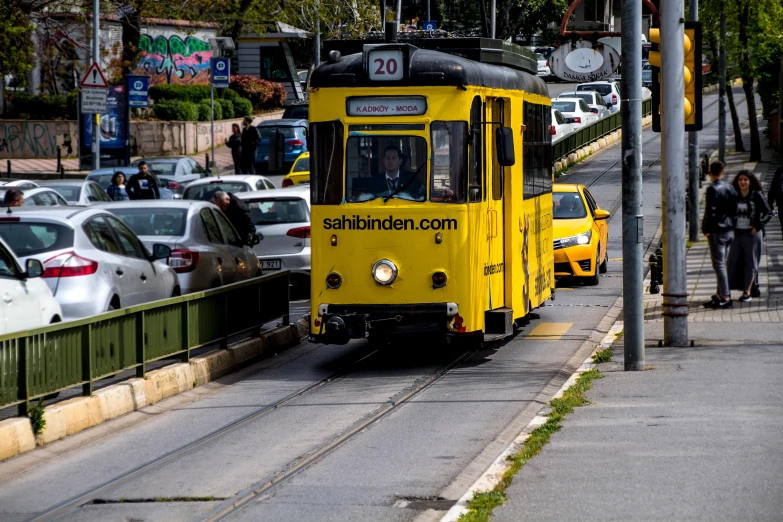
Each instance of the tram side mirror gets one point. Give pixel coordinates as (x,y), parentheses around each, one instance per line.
(276,151)
(504,140)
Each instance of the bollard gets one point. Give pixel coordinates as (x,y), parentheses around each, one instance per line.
(705,167)
(206,162)
(8,167)
(62,172)
(59,157)
(654,288)
(659,255)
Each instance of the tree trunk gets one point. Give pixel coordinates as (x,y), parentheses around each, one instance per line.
(236,29)
(131,37)
(485,18)
(739,145)
(750,100)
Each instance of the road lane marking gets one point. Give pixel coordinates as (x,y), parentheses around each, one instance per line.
(549,331)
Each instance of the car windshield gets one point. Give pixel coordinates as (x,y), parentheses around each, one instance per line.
(564,106)
(303,165)
(205,192)
(270,211)
(568,205)
(379,166)
(104,180)
(153,221)
(31,238)
(601,88)
(586,97)
(68,192)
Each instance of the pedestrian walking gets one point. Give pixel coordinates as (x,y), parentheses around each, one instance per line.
(718,226)
(142,185)
(753,212)
(775,196)
(250,140)
(117,190)
(234,142)
(238,214)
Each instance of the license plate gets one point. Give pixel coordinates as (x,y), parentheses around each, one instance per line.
(271,264)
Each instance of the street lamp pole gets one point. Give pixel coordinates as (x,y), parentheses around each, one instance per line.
(96,51)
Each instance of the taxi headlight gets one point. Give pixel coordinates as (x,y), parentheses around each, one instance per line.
(384,272)
(583,239)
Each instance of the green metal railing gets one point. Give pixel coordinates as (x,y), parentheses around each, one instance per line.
(36,363)
(589,133)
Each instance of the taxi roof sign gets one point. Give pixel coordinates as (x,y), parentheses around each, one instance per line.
(94,78)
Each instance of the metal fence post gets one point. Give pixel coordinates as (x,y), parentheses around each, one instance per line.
(23,380)
(141,347)
(86,360)
(224,340)
(185,331)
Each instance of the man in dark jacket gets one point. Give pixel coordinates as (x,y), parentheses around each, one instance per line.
(718,225)
(237,212)
(775,198)
(251,139)
(142,185)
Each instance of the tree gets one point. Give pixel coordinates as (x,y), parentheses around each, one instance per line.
(16,33)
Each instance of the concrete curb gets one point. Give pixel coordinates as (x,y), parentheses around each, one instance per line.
(77,414)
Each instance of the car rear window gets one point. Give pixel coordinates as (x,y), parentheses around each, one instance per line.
(296,112)
(586,97)
(268,132)
(69,192)
(162,169)
(303,165)
(153,221)
(602,89)
(30,238)
(104,180)
(564,106)
(270,211)
(205,192)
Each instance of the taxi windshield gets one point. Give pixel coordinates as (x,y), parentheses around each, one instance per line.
(568,205)
(387,166)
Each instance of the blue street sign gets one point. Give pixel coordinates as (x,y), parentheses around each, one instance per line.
(138,91)
(220,71)
(429,25)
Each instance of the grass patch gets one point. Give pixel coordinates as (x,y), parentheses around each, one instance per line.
(619,335)
(603,356)
(482,504)
(37,420)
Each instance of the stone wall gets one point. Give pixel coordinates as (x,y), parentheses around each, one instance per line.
(31,139)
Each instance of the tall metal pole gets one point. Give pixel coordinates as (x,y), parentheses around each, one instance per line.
(399,10)
(317,38)
(693,158)
(212,119)
(675,291)
(722,85)
(631,112)
(492,9)
(429,17)
(96,53)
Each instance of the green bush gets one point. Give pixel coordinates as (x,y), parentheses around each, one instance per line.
(242,107)
(188,111)
(227,107)
(175,110)
(204,110)
(230,94)
(44,106)
(190,93)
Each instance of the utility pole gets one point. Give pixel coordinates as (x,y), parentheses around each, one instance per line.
(633,218)
(317,38)
(96,52)
(675,291)
(492,8)
(722,85)
(693,158)
(399,10)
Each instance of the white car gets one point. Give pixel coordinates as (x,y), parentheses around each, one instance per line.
(204,189)
(594,100)
(78,192)
(543,67)
(575,111)
(38,197)
(23,184)
(608,89)
(27,301)
(560,128)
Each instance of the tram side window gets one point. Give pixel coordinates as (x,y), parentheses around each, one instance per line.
(326,185)
(475,150)
(449,162)
(528,150)
(547,145)
(537,147)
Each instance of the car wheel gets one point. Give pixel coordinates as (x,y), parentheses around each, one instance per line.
(594,279)
(177,292)
(602,267)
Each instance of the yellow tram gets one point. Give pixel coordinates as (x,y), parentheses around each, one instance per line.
(431,189)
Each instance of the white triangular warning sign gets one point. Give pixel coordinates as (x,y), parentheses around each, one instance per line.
(94,78)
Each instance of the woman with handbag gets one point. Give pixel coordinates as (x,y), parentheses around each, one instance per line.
(753,212)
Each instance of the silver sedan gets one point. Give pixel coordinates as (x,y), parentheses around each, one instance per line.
(92,261)
(78,192)
(206,251)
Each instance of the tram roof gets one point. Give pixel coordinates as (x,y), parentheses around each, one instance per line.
(429,68)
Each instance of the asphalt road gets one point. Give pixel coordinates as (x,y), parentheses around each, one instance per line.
(423,453)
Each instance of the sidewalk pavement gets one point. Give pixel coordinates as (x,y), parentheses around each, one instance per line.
(699,435)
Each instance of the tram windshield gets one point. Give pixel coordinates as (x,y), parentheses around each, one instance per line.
(568,205)
(389,166)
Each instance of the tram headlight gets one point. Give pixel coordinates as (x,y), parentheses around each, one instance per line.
(384,272)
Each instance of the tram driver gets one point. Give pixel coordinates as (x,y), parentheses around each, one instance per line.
(394,177)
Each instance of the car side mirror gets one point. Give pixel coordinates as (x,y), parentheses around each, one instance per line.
(33,268)
(160,251)
(504,140)
(276,151)
(601,214)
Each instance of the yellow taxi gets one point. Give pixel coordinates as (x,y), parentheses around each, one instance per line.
(580,233)
(300,171)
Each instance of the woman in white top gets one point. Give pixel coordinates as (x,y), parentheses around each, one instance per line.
(753,212)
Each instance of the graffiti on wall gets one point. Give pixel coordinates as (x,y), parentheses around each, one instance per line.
(170,59)
(34,139)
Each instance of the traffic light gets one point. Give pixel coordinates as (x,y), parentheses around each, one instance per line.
(691,76)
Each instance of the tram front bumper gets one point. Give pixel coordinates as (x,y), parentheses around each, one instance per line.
(337,324)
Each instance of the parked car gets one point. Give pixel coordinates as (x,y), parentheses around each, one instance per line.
(575,111)
(17,183)
(297,111)
(206,251)
(300,171)
(646,74)
(204,189)
(295,133)
(543,67)
(178,169)
(103,178)
(594,101)
(92,261)
(78,192)
(610,90)
(283,217)
(302,77)
(580,232)
(38,197)
(27,300)
(560,128)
